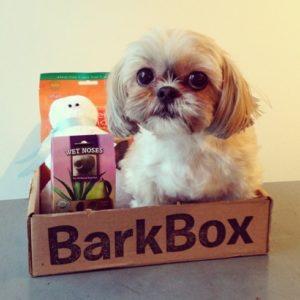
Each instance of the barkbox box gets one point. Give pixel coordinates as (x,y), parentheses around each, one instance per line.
(89,240)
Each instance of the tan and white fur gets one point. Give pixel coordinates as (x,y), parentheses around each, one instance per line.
(200,147)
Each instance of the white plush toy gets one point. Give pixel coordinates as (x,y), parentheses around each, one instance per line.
(72,115)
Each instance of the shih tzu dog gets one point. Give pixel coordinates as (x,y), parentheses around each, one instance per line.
(191,113)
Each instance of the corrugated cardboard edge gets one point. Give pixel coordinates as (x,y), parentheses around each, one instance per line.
(34,194)
(263,193)
(270,218)
(33,208)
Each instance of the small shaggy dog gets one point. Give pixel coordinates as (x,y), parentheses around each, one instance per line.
(191,113)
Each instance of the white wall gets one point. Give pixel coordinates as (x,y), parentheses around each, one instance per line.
(55,35)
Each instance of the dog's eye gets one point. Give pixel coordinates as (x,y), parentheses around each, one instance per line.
(197,80)
(144,76)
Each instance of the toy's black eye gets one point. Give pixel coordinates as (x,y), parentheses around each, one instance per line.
(144,76)
(197,80)
(70,105)
(77,104)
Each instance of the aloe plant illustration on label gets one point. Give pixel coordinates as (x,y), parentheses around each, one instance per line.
(83,172)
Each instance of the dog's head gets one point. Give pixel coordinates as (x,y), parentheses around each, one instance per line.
(178,81)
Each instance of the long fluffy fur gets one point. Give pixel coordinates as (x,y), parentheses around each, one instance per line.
(207,149)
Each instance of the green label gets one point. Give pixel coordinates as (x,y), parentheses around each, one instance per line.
(74,76)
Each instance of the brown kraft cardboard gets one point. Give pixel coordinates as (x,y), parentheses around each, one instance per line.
(89,240)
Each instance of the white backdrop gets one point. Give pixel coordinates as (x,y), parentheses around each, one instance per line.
(84,36)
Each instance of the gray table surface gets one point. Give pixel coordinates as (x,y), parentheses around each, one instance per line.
(276,276)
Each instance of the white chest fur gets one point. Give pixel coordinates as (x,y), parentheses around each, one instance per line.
(188,167)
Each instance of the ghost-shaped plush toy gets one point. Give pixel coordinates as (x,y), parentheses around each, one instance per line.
(68,116)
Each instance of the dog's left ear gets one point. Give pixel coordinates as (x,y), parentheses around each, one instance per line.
(237,108)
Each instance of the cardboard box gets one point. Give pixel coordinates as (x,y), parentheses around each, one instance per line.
(90,240)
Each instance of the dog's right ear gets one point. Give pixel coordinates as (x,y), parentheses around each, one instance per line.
(118,123)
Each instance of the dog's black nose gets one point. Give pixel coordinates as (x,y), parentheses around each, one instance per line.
(167,94)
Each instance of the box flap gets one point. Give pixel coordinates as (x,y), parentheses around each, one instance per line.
(34,195)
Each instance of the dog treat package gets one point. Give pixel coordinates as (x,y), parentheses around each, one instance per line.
(59,85)
(85,179)
(82,172)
